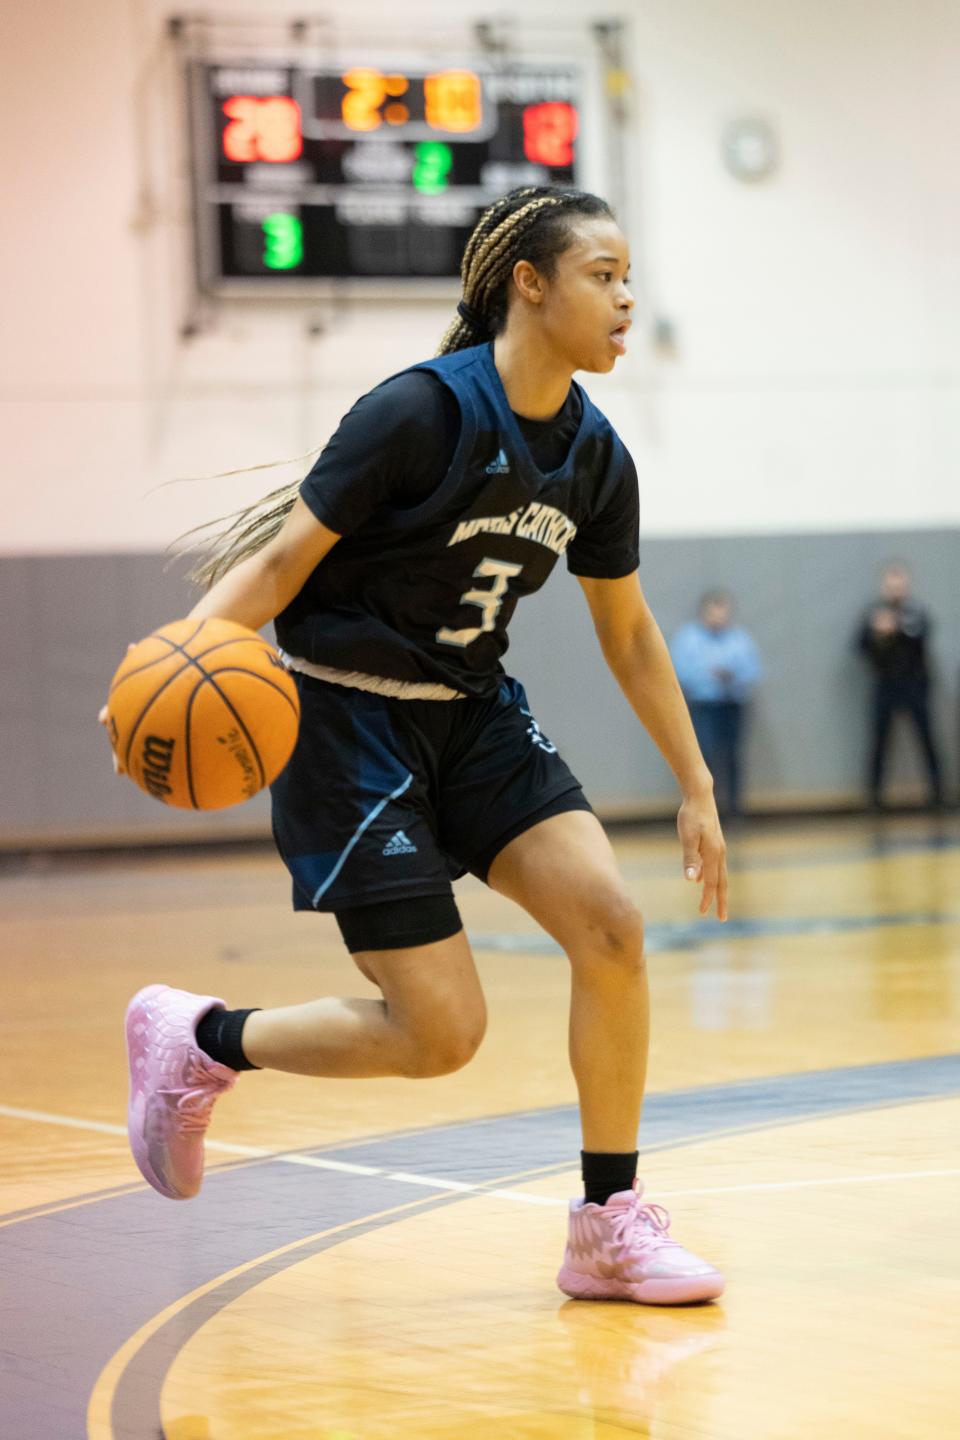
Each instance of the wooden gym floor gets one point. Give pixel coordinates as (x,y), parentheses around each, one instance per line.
(376,1258)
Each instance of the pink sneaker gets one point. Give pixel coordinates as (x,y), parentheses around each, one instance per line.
(622,1251)
(173,1087)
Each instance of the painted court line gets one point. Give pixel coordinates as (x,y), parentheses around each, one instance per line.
(432,1182)
(663,937)
(805,1184)
(316,1163)
(254,1152)
(42,1117)
(102,1127)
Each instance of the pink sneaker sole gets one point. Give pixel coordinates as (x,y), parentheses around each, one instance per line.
(173,1088)
(136,1107)
(682,1291)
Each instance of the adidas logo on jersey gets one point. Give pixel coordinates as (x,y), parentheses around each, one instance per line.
(500,466)
(400,844)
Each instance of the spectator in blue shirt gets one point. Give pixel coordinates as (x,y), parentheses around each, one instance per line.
(718,665)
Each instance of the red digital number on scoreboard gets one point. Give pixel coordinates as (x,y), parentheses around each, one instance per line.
(262,127)
(549,131)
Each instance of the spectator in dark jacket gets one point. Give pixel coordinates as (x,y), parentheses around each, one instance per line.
(893,636)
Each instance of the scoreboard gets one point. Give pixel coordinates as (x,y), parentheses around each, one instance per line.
(306,175)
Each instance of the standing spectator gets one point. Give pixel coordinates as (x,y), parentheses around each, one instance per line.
(893,636)
(717,664)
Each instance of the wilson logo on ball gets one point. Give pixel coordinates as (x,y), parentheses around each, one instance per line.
(203,714)
(241,754)
(155,763)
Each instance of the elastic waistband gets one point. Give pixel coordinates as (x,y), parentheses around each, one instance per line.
(373,684)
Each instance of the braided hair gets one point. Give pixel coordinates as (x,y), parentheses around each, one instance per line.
(531,223)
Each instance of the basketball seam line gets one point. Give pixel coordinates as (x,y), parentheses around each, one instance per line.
(190,661)
(176,649)
(220,645)
(236,715)
(154,635)
(263,679)
(153,698)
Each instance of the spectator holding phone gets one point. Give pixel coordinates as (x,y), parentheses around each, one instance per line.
(894,636)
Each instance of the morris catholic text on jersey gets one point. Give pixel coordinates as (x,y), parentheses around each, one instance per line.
(422,586)
(541,523)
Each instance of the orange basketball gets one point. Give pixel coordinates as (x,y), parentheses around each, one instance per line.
(202,714)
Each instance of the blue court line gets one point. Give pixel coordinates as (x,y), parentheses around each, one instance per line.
(880,847)
(80,1282)
(464,1151)
(663,936)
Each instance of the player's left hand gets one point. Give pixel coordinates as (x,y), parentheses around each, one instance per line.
(704,852)
(103,716)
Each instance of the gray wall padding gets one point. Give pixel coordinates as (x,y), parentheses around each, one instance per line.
(801,596)
(65,622)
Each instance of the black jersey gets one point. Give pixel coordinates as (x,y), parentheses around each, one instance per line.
(426,578)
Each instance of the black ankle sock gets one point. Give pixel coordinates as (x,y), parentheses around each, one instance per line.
(606,1174)
(219,1035)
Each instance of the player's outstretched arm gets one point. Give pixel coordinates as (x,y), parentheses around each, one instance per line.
(637,654)
(256,590)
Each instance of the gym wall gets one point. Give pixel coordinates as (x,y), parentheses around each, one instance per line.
(796,421)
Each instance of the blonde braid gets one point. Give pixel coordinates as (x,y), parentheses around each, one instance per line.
(491,264)
(488,222)
(490,253)
(222,544)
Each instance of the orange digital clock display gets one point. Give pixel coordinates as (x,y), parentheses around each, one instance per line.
(452,100)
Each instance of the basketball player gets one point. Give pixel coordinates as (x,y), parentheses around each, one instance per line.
(447,494)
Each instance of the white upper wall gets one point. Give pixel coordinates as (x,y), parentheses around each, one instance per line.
(815,376)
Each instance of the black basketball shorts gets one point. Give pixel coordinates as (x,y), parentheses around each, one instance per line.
(385,799)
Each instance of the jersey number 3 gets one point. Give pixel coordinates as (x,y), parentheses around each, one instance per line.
(500,572)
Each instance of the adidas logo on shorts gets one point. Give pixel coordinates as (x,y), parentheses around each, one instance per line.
(500,466)
(400,844)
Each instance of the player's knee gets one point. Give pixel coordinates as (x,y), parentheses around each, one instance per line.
(612,935)
(447,1047)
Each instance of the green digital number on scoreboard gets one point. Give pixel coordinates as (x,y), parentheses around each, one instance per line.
(282,242)
(315,175)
